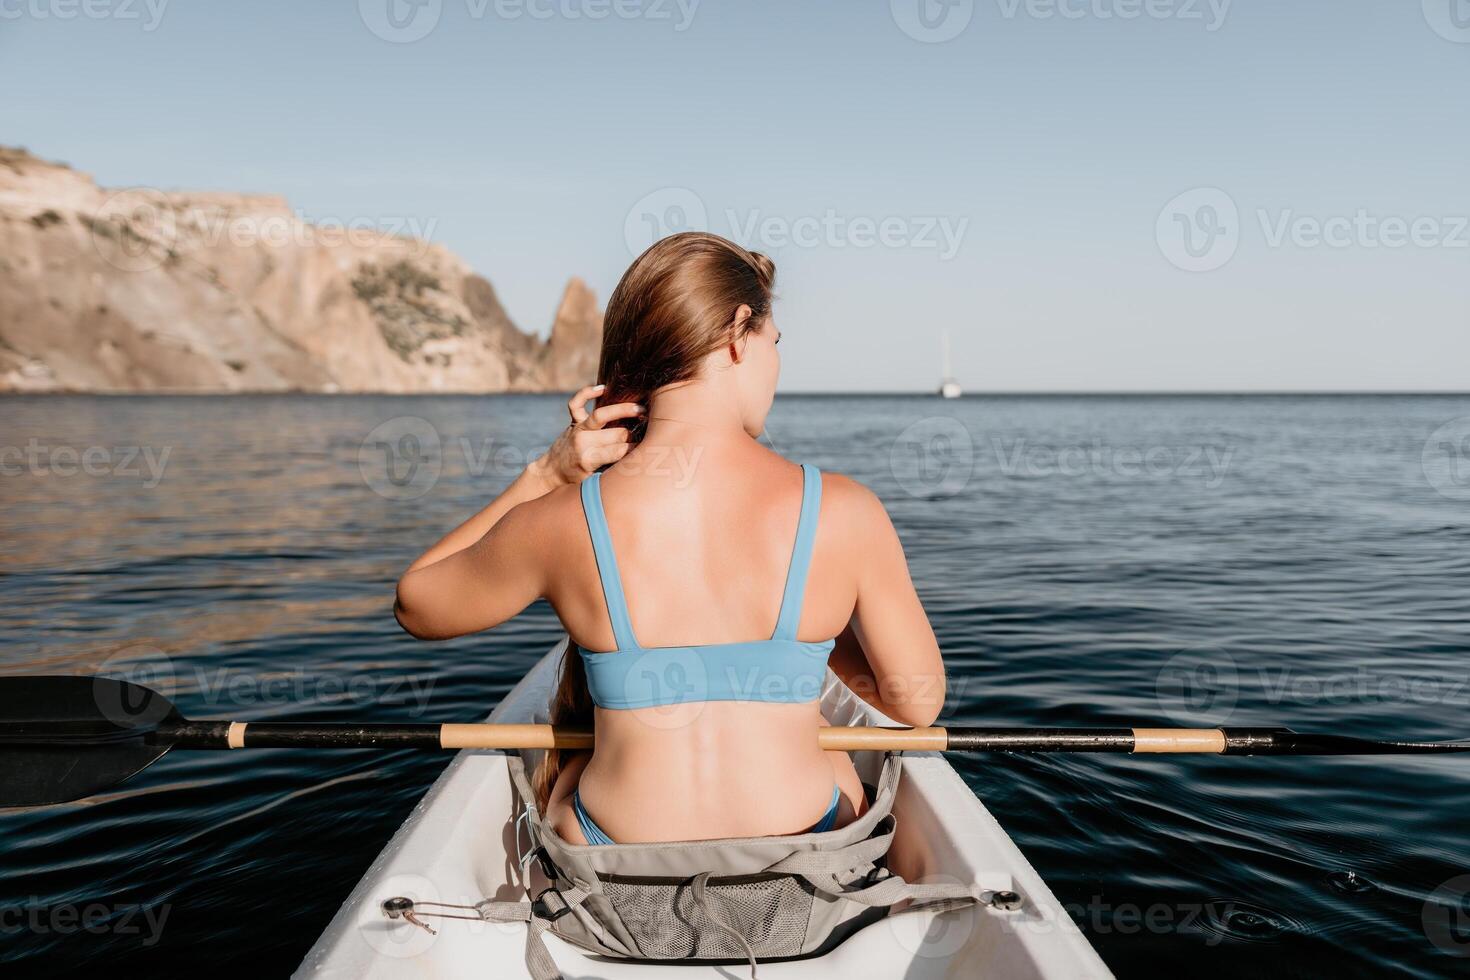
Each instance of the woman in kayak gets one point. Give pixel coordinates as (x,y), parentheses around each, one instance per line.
(705,581)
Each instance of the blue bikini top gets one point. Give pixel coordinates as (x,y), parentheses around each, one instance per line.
(781,669)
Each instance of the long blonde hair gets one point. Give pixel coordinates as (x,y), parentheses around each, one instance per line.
(674,306)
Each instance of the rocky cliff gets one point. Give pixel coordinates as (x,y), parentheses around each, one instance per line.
(141,290)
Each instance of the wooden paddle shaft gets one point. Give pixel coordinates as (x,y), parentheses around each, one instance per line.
(185,734)
(867,738)
(547,737)
(263,735)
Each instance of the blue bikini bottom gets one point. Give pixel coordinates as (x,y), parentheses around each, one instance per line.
(595,835)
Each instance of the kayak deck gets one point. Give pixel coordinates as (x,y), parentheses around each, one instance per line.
(461,844)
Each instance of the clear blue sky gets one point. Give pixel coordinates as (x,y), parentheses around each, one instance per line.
(1048,136)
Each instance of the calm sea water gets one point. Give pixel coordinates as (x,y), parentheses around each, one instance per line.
(1086,561)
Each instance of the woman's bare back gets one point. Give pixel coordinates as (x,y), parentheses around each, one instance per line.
(704,542)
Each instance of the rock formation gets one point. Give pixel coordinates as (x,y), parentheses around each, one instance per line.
(143,290)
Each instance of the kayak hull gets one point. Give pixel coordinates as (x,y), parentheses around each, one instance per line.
(462,844)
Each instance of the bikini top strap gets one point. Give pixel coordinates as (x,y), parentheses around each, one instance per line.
(801,554)
(607,563)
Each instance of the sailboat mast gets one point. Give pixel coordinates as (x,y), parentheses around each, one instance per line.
(948,387)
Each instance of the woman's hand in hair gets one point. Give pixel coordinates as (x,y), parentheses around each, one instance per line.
(588,443)
(490,567)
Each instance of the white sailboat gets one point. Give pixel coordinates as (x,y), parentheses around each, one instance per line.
(948,386)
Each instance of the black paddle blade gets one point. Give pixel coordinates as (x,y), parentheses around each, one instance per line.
(65,738)
(37,775)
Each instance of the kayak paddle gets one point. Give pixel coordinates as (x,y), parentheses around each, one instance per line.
(63,738)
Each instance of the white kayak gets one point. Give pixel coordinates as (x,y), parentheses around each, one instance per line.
(462,844)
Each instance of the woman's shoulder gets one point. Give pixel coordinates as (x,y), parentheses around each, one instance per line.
(847,504)
(850,502)
(837,487)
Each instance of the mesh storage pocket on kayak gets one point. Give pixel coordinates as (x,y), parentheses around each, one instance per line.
(719,900)
(670,922)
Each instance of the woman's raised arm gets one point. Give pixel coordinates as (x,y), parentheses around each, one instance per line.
(491,567)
